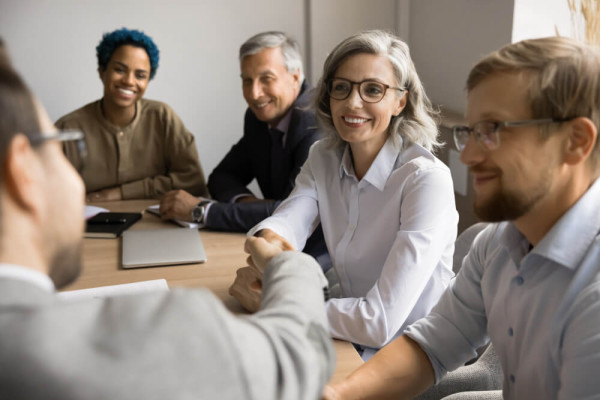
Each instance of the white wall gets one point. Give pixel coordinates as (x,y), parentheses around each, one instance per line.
(539,18)
(331,21)
(52,44)
(447,37)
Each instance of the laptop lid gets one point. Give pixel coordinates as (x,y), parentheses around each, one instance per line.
(156,247)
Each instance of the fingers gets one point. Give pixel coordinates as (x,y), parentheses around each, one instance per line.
(247,288)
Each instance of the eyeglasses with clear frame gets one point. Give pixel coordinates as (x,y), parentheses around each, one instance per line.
(370,91)
(486,133)
(76,136)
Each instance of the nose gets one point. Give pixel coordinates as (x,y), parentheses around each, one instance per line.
(256,90)
(354,100)
(473,153)
(129,78)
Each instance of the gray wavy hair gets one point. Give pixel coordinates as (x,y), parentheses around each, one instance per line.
(416,123)
(289,48)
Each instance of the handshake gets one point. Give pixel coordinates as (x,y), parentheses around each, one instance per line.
(247,287)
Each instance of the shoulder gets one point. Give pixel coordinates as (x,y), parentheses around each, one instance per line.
(323,149)
(490,241)
(420,160)
(78,116)
(155,107)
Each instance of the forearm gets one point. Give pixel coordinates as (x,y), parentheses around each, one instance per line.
(238,217)
(401,370)
(156,186)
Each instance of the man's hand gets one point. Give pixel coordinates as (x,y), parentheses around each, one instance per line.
(275,239)
(108,194)
(178,204)
(247,288)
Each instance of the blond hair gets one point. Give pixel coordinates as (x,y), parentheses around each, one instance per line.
(564,77)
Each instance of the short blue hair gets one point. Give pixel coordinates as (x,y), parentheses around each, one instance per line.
(113,40)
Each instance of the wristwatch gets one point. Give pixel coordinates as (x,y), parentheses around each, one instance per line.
(199,211)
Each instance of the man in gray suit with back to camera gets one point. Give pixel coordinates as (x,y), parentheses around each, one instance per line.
(181,344)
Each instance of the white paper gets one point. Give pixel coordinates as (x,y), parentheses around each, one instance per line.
(154,210)
(90,211)
(157,285)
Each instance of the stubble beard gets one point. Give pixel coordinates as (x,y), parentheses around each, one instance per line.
(506,205)
(65,266)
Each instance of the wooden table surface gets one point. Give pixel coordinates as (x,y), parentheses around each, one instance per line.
(102,260)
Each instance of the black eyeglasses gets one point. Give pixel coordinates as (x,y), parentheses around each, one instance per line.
(486,132)
(77,137)
(370,91)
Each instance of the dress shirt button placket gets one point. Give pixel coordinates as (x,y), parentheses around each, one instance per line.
(122,152)
(342,248)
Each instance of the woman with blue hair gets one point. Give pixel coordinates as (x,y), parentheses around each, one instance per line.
(137,148)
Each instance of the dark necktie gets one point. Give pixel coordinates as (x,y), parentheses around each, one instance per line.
(278,176)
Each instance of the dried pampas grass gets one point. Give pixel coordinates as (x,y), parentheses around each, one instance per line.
(585,17)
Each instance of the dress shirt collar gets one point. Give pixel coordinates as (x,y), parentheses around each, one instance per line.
(283,126)
(11,271)
(381,169)
(580,222)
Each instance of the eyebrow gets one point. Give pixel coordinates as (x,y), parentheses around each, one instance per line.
(127,66)
(261,73)
(364,80)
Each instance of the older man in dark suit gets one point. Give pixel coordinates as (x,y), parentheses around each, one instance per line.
(278,132)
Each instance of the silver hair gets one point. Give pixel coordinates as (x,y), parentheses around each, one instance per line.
(416,123)
(289,48)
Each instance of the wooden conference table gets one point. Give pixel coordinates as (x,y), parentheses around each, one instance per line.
(101,267)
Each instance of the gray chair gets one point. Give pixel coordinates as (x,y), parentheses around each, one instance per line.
(481,379)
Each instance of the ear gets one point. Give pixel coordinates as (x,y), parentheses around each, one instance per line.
(579,144)
(401,103)
(101,72)
(22,174)
(296,77)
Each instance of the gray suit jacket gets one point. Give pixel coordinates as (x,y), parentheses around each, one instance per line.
(178,345)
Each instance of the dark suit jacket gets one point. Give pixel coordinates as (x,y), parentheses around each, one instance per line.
(251,158)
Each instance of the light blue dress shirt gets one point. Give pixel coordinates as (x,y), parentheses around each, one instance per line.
(541,308)
(390,235)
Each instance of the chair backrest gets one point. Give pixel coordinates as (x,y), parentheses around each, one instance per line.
(463,244)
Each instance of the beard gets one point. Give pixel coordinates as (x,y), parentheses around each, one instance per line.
(65,265)
(509,205)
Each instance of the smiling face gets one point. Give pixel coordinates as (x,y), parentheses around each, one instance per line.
(126,77)
(356,121)
(268,87)
(520,174)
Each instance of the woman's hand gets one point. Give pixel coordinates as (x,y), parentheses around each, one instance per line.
(275,239)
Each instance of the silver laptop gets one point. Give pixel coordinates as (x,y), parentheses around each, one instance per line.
(150,248)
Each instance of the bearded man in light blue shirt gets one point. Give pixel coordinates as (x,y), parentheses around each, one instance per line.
(531,280)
